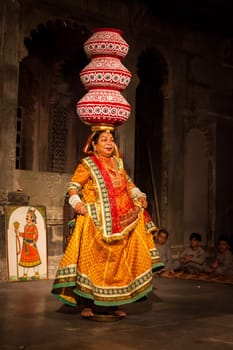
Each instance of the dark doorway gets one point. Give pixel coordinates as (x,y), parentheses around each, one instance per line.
(152,72)
(50,136)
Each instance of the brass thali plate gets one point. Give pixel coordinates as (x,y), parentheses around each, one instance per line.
(105,318)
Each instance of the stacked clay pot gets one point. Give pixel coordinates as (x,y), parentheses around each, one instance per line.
(105,77)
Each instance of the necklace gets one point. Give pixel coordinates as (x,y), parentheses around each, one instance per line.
(107,161)
(112,169)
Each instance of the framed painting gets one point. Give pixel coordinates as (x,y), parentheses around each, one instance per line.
(26,238)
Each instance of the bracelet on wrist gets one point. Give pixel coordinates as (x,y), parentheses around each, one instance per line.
(74,199)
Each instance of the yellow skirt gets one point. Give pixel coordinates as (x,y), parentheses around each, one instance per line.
(109,274)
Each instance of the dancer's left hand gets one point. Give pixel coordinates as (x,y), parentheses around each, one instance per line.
(143,201)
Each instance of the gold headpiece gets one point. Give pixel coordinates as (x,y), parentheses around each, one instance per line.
(107,128)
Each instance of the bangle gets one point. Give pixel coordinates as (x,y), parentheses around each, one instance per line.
(73,200)
(137,193)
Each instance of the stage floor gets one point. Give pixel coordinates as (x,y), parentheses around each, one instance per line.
(178,315)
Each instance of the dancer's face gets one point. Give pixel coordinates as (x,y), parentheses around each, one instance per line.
(105,144)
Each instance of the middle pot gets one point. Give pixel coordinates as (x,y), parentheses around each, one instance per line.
(105,72)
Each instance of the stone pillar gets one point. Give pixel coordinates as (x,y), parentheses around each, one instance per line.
(9,48)
(176,152)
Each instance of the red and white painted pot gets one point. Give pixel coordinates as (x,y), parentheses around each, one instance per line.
(105,72)
(105,76)
(103,106)
(108,42)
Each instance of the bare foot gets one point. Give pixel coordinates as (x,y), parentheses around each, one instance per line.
(120,313)
(87,312)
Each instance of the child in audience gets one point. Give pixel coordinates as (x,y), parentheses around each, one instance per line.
(165,251)
(193,258)
(223,264)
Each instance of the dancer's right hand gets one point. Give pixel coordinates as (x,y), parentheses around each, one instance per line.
(80,208)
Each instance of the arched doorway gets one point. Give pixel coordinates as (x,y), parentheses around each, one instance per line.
(49,134)
(153,74)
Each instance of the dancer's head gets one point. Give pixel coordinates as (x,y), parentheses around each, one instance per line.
(102,141)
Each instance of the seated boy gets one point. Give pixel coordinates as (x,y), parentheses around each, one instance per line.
(165,251)
(193,258)
(223,264)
